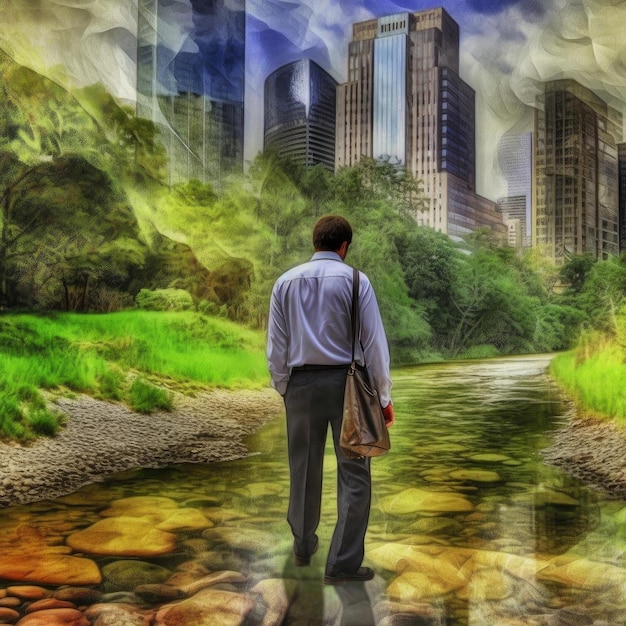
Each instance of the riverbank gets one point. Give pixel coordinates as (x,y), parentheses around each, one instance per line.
(102,438)
(593,450)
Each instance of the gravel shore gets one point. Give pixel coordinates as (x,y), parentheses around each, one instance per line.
(592,450)
(101,438)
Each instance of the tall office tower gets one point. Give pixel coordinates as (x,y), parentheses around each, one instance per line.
(300,100)
(190,81)
(515,160)
(621,155)
(575,177)
(405,102)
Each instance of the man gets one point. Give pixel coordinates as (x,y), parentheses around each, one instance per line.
(309,351)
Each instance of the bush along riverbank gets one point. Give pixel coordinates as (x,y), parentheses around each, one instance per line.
(592,444)
(137,358)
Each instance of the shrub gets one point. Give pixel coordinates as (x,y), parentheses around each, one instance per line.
(165,300)
(43,422)
(146,398)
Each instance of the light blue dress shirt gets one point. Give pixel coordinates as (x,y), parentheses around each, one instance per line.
(309,323)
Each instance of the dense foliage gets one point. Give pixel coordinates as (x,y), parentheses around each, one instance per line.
(87,224)
(594,372)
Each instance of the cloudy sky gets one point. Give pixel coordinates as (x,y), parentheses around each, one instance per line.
(508,47)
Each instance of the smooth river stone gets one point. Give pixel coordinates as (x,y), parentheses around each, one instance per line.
(163,513)
(55,617)
(48,603)
(185,519)
(216,578)
(138,506)
(546,497)
(258,490)
(50,569)
(123,536)
(125,575)
(401,557)
(8,615)
(490,457)
(28,592)
(277,595)
(118,615)
(414,500)
(210,606)
(242,538)
(584,574)
(476,475)
(487,585)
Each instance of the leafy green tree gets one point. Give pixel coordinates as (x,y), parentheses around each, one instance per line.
(575,271)
(604,293)
(429,263)
(64,227)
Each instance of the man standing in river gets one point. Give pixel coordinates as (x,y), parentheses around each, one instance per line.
(309,352)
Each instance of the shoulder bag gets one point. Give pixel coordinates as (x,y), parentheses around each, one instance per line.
(363,431)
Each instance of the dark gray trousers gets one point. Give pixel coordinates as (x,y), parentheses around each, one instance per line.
(314,399)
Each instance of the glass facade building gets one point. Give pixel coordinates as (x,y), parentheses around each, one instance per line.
(576,173)
(405,102)
(190,82)
(621,155)
(515,159)
(299,117)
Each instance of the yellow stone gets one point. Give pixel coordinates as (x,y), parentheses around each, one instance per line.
(211,606)
(414,500)
(584,574)
(123,536)
(140,506)
(476,475)
(487,584)
(185,519)
(49,569)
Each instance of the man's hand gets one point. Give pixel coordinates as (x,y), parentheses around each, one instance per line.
(388,415)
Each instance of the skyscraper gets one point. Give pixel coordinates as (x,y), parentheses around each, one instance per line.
(515,158)
(576,175)
(405,102)
(190,81)
(300,113)
(621,153)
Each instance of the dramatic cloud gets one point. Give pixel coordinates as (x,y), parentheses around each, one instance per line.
(74,41)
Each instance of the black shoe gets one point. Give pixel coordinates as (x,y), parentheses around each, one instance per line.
(300,560)
(361,575)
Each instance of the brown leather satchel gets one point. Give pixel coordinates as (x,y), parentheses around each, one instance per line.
(363,431)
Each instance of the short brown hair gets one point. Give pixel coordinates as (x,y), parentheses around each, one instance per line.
(330,232)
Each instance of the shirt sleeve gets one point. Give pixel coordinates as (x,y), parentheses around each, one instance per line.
(374,342)
(277,344)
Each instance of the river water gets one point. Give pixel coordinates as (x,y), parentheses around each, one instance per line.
(468,525)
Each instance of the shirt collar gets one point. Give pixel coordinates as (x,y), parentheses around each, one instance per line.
(326,255)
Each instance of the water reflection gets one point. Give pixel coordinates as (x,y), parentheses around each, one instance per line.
(468,526)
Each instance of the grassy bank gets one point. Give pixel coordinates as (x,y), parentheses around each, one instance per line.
(117,356)
(594,375)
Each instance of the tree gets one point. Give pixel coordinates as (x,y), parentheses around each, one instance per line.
(65,216)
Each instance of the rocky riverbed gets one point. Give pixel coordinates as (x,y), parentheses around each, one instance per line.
(101,438)
(593,450)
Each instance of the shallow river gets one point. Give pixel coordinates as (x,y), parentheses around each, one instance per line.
(468,526)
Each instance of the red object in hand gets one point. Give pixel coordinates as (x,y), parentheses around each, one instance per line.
(388,415)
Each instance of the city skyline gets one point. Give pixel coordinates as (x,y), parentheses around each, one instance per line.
(508,49)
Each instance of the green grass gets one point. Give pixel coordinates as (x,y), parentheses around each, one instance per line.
(594,375)
(93,354)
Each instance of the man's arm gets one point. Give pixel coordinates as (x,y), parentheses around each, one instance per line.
(277,345)
(374,342)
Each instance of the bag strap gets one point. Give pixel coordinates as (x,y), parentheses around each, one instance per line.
(354,317)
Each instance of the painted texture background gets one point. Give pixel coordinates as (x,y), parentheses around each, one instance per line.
(508,47)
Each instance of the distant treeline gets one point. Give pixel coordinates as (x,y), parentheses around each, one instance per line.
(88,224)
